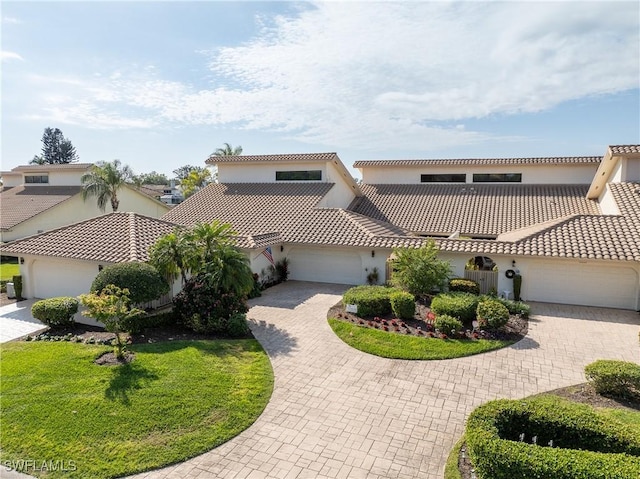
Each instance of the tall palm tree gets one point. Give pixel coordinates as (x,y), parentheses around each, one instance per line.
(229,270)
(210,236)
(228,150)
(104,180)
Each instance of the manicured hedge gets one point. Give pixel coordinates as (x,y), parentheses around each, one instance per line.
(492,314)
(614,378)
(141,279)
(447,324)
(403,304)
(55,311)
(459,305)
(464,286)
(371,300)
(586,445)
(149,321)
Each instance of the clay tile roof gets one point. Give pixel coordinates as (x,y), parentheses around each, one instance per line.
(472,210)
(111,238)
(625,149)
(21,203)
(294,157)
(555,160)
(49,167)
(258,241)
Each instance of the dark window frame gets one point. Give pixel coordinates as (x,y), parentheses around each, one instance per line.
(443,178)
(299,175)
(36,179)
(497,177)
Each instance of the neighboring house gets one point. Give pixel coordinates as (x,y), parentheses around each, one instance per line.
(66,260)
(570,225)
(169,194)
(38,198)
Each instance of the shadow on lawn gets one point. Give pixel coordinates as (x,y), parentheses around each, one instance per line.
(127,378)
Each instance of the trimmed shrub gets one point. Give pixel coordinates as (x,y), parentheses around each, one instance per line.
(141,279)
(237,326)
(464,286)
(150,321)
(17,287)
(403,304)
(448,324)
(492,314)
(614,378)
(371,300)
(200,306)
(55,311)
(459,305)
(517,286)
(586,445)
(514,307)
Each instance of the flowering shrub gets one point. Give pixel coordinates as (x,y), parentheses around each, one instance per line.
(205,309)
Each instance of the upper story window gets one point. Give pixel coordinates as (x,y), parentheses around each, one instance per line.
(36,178)
(497,177)
(304,175)
(444,178)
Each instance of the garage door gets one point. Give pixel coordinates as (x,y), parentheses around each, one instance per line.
(53,278)
(582,284)
(325,266)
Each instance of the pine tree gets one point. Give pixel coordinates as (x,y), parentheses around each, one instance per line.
(56,149)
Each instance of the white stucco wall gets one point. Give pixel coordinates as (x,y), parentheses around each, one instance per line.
(631,169)
(607,202)
(264,172)
(532,174)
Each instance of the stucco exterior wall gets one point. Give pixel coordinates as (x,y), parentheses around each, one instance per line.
(607,203)
(263,173)
(532,174)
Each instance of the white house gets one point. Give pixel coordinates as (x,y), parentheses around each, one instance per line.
(569,225)
(38,198)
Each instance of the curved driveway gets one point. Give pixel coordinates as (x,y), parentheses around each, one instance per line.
(337,412)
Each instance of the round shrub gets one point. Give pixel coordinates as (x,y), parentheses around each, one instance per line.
(459,305)
(492,314)
(237,326)
(205,309)
(614,378)
(141,279)
(448,324)
(464,286)
(55,311)
(371,300)
(403,304)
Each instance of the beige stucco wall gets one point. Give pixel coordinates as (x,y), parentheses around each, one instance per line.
(607,202)
(532,174)
(75,209)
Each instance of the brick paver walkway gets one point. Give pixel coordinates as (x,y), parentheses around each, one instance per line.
(337,412)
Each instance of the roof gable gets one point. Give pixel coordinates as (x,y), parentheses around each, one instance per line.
(20,203)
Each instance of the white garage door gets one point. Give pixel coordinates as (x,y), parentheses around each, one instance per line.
(325,266)
(53,278)
(582,284)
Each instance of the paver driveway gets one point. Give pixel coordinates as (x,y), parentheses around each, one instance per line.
(337,412)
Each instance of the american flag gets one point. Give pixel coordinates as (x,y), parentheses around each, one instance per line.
(267,254)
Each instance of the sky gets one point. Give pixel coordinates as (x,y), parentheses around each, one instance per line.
(159,85)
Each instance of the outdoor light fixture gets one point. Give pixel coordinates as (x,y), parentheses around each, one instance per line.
(281,248)
(373,254)
(513,263)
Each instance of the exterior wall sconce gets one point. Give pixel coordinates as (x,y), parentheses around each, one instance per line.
(21,260)
(513,263)
(281,248)
(373,253)
(100,267)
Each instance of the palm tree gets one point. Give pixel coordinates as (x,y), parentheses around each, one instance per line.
(229,270)
(228,150)
(209,237)
(173,255)
(104,180)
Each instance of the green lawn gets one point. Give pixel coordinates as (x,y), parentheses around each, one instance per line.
(397,346)
(174,401)
(8,271)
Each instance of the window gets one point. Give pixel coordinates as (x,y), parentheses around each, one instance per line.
(444,178)
(305,175)
(36,178)
(497,177)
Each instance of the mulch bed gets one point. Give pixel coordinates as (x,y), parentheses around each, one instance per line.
(420,325)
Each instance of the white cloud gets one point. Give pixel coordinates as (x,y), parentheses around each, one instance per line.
(6,56)
(368,75)
(11,20)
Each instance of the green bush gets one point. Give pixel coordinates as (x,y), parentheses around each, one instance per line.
(418,270)
(514,307)
(464,286)
(517,287)
(448,324)
(202,307)
(141,279)
(371,300)
(614,378)
(149,321)
(586,445)
(403,304)
(55,311)
(17,286)
(459,305)
(237,326)
(492,314)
